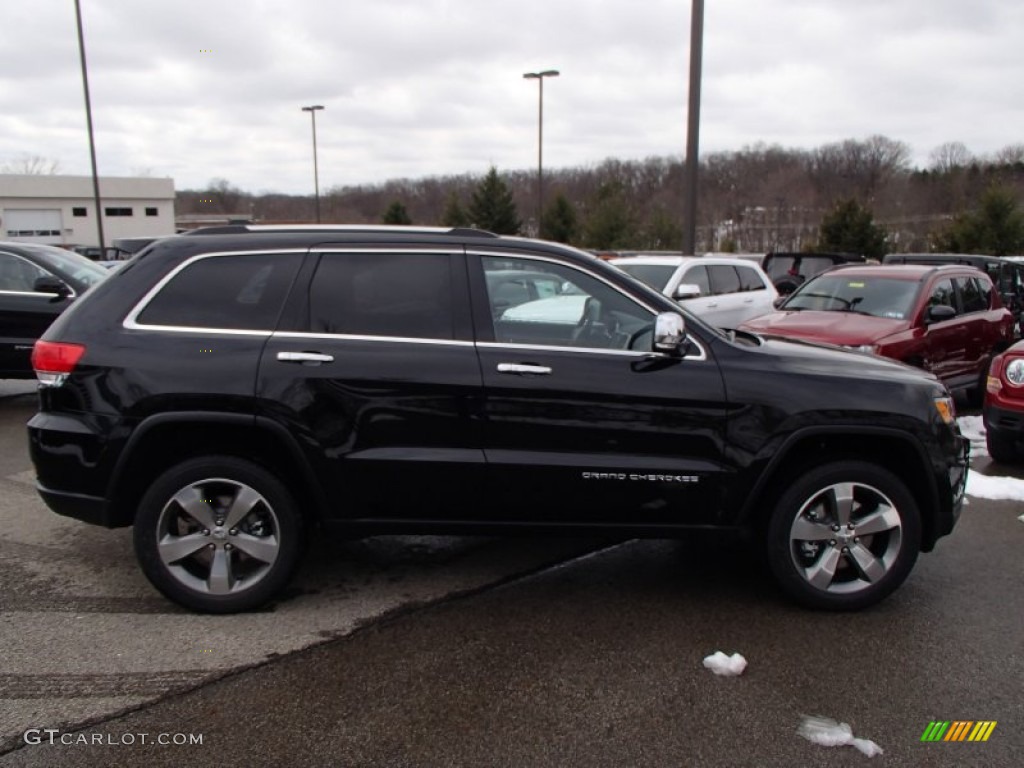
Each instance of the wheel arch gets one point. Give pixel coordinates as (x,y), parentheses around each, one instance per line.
(890,449)
(167,439)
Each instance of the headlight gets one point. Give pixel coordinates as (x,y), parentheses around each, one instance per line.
(947,412)
(1014,372)
(871,349)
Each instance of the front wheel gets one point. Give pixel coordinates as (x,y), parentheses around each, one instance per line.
(844,536)
(218,534)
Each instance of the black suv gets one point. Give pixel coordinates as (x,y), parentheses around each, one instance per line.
(37,283)
(228,391)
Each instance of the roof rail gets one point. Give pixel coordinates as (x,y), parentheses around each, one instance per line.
(237,229)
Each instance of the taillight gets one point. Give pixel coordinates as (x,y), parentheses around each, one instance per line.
(54,360)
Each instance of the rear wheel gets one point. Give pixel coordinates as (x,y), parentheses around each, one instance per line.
(844,536)
(218,534)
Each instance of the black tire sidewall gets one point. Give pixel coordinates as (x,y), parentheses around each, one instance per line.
(290,533)
(807,485)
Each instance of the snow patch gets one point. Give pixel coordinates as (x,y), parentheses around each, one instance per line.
(727,666)
(995,488)
(973,428)
(829,733)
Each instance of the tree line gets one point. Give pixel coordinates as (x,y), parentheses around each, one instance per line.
(854,195)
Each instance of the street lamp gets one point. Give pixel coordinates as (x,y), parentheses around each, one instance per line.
(88,122)
(539,77)
(316,175)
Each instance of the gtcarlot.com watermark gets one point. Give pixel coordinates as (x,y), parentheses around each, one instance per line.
(54,736)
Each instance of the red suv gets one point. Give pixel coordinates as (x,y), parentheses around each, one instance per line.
(1004,406)
(948,320)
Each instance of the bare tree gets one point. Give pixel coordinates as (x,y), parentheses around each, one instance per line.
(31,165)
(949,157)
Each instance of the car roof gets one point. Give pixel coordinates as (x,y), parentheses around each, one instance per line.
(680,260)
(901,271)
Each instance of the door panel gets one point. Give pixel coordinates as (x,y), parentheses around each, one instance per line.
(588,430)
(379,386)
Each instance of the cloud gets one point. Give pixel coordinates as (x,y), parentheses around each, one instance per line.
(210,88)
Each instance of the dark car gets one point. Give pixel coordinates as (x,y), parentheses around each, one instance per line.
(789,271)
(228,391)
(947,320)
(1004,406)
(1006,274)
(37,283)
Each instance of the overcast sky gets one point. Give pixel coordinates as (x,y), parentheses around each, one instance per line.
(204,89)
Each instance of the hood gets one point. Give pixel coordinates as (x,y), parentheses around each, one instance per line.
(842,328)
(815,359)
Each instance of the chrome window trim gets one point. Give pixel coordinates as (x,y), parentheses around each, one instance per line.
(72,295)
(131,319)
(40,294)
(200,330)
(702,355)
(364,337)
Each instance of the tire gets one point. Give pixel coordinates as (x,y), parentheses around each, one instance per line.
(822,562)
(218,534)
(1001,449)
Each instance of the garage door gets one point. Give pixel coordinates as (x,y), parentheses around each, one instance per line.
(33,225)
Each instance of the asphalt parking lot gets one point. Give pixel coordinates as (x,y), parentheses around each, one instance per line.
(424,652)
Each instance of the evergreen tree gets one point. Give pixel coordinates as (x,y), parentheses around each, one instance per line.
(559,222)
(454,215)
(610,223)
(493,208)
(995,228)
(396,214)
(850,228)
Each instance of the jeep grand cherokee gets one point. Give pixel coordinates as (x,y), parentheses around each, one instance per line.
(228,391)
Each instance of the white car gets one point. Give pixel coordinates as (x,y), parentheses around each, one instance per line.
(722,291)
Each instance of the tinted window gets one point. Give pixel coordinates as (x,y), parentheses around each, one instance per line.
(238,292)
(750,280)
(942,294)
(971,295)
(724,279)
(405,295)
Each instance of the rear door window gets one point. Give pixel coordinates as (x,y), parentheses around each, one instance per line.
(750,280)
(397,295)
(724,279)
(234,292)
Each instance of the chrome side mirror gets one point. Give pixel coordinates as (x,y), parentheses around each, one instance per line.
(669,333)
(686,291)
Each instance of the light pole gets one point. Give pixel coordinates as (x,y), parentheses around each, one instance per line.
(693,129)
(539,77)
(316,174)
(92,141)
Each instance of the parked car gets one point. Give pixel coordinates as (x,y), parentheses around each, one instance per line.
(947,320)
(37,283)
(1003,413)
(1005,272)
(788,271)
(227,393)
(720,290)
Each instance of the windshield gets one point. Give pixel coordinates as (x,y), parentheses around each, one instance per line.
(73,265)
(654,275)
(876,296)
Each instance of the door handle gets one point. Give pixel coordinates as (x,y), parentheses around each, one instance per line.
(309,358)
(521,368)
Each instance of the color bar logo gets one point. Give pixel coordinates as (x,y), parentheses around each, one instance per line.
(958,730)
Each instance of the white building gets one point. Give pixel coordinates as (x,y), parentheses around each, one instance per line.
(61,210)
